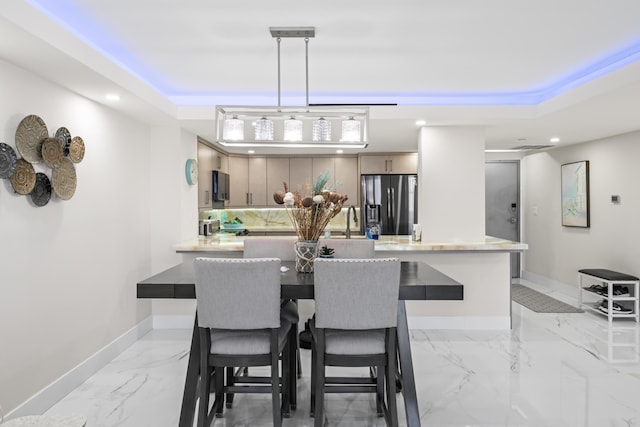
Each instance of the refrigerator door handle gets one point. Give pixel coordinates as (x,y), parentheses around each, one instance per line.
(393,208)
(389,204)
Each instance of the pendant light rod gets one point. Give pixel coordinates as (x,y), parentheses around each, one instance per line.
(278,40)
(306,67)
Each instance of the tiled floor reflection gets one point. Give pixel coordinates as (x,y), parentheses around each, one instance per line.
(549,370)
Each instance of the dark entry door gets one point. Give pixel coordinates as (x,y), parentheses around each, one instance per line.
(502,204)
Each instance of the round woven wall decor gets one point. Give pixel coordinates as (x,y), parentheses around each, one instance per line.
(24,177)
(64,179)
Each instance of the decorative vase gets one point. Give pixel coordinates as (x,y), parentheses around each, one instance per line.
(306,252)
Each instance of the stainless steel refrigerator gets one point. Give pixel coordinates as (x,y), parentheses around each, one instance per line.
(390,200)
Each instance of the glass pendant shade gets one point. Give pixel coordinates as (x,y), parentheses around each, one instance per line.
(293,130)
(264,129)
(233,129)
(321,130)
(350,130)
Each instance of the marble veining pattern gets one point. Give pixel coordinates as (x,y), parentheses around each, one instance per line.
(554,370)
(228,242)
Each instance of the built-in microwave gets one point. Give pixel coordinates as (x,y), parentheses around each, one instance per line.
(220,186)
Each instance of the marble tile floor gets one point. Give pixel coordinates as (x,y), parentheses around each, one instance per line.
(549,370)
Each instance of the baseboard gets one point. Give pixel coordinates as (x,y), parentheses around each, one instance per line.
(51,394)
(418,322)
(460,322)
(173,321)
(563,288)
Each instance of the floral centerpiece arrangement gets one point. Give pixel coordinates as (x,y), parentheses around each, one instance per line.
(310,210)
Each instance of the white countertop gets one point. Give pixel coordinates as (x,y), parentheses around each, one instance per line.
(231,243)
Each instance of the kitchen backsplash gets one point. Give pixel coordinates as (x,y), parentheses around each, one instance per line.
(276,219)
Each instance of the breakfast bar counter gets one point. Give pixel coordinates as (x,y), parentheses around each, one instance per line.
(483,267)
(230,243)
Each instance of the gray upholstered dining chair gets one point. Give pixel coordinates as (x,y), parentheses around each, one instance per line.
(350,248)
(282,248)
(238,306)
(355,325)
(276,247)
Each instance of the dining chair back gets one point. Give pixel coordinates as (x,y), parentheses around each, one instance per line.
(355,325)
(350,248)
(276,247)
(239,323)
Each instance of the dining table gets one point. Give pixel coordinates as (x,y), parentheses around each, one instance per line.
(418,281)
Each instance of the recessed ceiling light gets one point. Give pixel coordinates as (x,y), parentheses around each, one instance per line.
(554,139)
(251,151)
(421,122)
(339,151)
(113,97)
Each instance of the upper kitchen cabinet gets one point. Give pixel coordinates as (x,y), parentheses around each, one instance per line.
(209,160)
(277,173)
(248,177)
(239,185)
(300,173)
(346,178)
(389,164)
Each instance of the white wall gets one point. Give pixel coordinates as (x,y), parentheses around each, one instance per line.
(68,270)
(557,252)
(451,184)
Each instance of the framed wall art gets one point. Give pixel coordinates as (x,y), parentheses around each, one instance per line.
(575,194)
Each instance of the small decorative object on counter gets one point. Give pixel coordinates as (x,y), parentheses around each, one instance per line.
(310,210)
(326,252)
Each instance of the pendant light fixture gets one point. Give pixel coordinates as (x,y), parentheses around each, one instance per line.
(292,130)
(263,129)
(233,129)
(283,126)
(350,130)
(321,130)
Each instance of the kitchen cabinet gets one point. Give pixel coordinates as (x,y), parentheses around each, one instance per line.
(300,172)
(277,173)
(406,163)
(346,176)
(239,185)
(209,159)
(257,195)
(248,181)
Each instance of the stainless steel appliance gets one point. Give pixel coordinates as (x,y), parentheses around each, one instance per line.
(391,201)
(208,227)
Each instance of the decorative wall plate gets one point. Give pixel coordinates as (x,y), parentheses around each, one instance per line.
(41,193)
(64,179)
(64,136)
(52,152)
(76,149)
(29,136)
(24,178)
(8,161)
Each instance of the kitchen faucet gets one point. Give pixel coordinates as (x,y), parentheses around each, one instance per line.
(355,220)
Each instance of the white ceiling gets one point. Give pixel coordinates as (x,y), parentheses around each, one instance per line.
(524,70)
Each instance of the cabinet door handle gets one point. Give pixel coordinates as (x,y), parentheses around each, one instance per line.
(390,165)
(385,165)
(206,197)
(247,198)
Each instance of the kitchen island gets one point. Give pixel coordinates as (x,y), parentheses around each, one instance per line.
(482,267)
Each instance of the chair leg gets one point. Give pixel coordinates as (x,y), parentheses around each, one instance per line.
(285,386)
(275,388)
(218,403)
(392,407)
(314,363)
(230,382)
(319,382)
(380,380)
(294,361)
